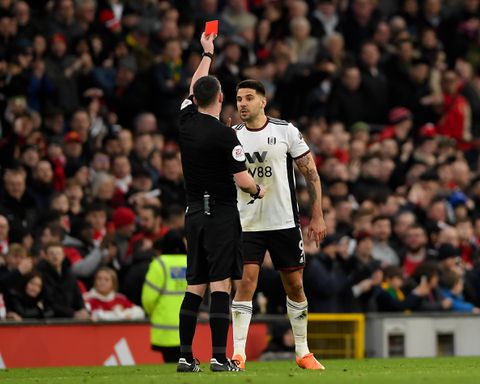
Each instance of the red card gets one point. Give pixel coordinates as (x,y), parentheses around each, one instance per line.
(211,27)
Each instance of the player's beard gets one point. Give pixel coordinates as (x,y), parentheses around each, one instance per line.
(251,117)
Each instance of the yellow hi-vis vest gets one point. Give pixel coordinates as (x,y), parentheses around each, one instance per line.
(162,296)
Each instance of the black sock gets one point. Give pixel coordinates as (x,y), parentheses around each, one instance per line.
(188,323)
(219,323)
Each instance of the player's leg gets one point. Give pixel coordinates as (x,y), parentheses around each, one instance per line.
(242,309)
(297,309)
(288,256)
(254,248)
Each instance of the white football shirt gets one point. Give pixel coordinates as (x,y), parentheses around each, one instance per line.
(269,154)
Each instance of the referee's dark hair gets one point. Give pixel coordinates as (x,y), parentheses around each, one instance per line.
(252,84)
(206,90)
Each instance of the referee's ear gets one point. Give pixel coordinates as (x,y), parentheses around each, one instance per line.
(220,97)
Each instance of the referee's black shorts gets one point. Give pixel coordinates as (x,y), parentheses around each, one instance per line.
(214,244)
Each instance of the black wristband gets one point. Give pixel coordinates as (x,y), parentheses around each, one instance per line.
(208,54)
(255,195)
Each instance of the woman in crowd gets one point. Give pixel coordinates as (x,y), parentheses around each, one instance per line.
(105,303)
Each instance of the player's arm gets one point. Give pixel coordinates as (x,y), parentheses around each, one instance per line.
(204,66)
(306,165)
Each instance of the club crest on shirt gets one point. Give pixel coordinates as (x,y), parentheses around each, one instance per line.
(238,153)
(272,140)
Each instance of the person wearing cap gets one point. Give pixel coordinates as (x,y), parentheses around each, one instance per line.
(213,162)
(123,220)
(448,257)
(401,121)
(162,294)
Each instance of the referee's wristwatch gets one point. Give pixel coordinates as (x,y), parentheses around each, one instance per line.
(255,196)
(208,54)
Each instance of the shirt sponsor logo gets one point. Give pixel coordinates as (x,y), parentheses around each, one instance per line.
(256,156)
(238,154)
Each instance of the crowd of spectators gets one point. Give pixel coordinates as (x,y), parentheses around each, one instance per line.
(386,93)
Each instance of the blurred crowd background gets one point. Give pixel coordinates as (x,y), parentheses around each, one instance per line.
(386,93)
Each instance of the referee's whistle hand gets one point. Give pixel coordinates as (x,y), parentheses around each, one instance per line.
(262,192)
(207,42)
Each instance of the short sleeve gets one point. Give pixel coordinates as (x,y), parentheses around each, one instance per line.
(234,151)
(296,144)
(187,109)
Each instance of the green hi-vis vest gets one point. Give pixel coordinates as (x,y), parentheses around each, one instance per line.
(162,296)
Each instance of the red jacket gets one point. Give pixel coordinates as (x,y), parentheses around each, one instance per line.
(455,121)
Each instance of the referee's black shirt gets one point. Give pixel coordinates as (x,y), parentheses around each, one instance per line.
(211,154)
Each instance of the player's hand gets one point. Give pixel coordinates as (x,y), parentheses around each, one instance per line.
(207,42)
(317,230)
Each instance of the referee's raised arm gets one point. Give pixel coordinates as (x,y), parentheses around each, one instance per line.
(207,57)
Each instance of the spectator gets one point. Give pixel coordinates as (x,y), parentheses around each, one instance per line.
(347,101)
(123,220)
(171,183)
(17,264)
(435,300)
(455,121)
(166,274)
(105,303)
(60,286)
(391,297)
(16,204)
(324,276)
(382,251)
(29,301)
(151,229)
(4,229)
(453,289)
(416,250)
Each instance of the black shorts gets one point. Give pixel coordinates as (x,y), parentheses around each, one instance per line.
(214,244)
(284,245)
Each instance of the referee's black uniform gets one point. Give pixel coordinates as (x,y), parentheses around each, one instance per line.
(211,154)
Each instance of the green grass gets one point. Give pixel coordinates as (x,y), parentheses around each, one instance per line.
(465,370)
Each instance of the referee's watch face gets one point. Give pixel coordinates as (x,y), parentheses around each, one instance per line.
(249,103)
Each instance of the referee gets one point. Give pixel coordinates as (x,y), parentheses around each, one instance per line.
(211,154)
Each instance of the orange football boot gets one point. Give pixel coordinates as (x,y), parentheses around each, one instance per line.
(309,362)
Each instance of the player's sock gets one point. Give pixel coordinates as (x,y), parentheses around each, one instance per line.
(297,313)
(188,323)
(219,322)
(241,316)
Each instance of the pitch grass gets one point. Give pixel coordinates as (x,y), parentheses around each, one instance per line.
(459,370)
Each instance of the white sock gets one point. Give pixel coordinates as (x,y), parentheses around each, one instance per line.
(241,316)
(297,313)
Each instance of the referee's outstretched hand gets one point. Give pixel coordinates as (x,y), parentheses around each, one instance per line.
(317,230)
(207,42)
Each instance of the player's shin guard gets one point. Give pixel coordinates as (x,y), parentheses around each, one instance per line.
(241,317)
(297,313)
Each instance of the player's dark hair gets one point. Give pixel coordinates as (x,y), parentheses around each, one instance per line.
(252,84)
(206,90)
